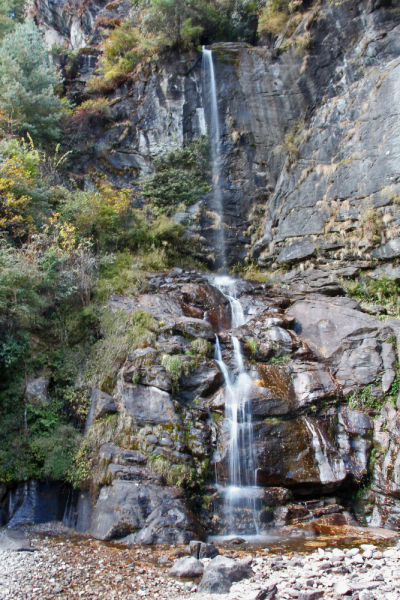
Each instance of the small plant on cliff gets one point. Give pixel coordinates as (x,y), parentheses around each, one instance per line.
(124,48)
(276,14)
(180,176)
(179,475)
(372,291)
(200,347)
(121,333)
(177,365)
(252,346)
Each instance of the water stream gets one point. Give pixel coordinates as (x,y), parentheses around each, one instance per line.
(239,498)
(240,501)
(211,102)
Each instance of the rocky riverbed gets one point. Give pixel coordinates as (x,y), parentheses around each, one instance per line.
(61,564)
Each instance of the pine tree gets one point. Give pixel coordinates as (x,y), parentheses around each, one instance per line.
(27,83)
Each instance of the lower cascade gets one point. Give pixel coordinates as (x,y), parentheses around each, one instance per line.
(239,496)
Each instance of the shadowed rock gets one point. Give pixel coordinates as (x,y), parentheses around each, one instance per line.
(220,573)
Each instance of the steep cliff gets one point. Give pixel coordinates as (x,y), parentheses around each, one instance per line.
(310,180)
(309,132)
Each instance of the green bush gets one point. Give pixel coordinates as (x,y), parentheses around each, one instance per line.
(375,291)
(276,14)
(55,453)
(182,176)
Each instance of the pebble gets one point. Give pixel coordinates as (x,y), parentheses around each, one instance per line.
(80,567)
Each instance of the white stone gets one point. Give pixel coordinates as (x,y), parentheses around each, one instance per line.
(341,588)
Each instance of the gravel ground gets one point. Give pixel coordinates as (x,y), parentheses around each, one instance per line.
(64,565)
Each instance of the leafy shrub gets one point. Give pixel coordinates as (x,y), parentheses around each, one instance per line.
(180,176)
(55,452)
(276,14)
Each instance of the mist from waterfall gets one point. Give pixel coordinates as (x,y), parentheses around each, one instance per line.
(211,103)
(241,452)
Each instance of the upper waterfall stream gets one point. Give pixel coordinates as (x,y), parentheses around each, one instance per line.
(211,102)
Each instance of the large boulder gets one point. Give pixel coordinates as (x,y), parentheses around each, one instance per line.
(347,340)
(146,404)
(157,515)
(201,382)
(190,327)
(14,541)
(161,306)
(297,252)
(101,405)
(144,364)
(312,382)
(220,573)
(202,549)
(187,567)
(299,454)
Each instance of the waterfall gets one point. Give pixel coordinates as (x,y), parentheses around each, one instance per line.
(238,496)
(211,102)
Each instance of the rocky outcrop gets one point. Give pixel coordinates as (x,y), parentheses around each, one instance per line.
(350,342)
(308,142)
(307,441)
(156,515)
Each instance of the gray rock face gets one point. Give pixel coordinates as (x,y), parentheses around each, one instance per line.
(146,404)
(101,405)
(324,190)
(201,382)
(312,382)
(354,437)
(144,363)
(187,567)
(157,515)
(297,252)
(193,328)
(36,388)
(220,573)
(345,339)
(387,251)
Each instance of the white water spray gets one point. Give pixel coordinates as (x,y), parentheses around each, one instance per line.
(211,102)
(241,452)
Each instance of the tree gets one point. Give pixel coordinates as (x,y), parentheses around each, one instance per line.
(11,12)
(174,21)
(27,83)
